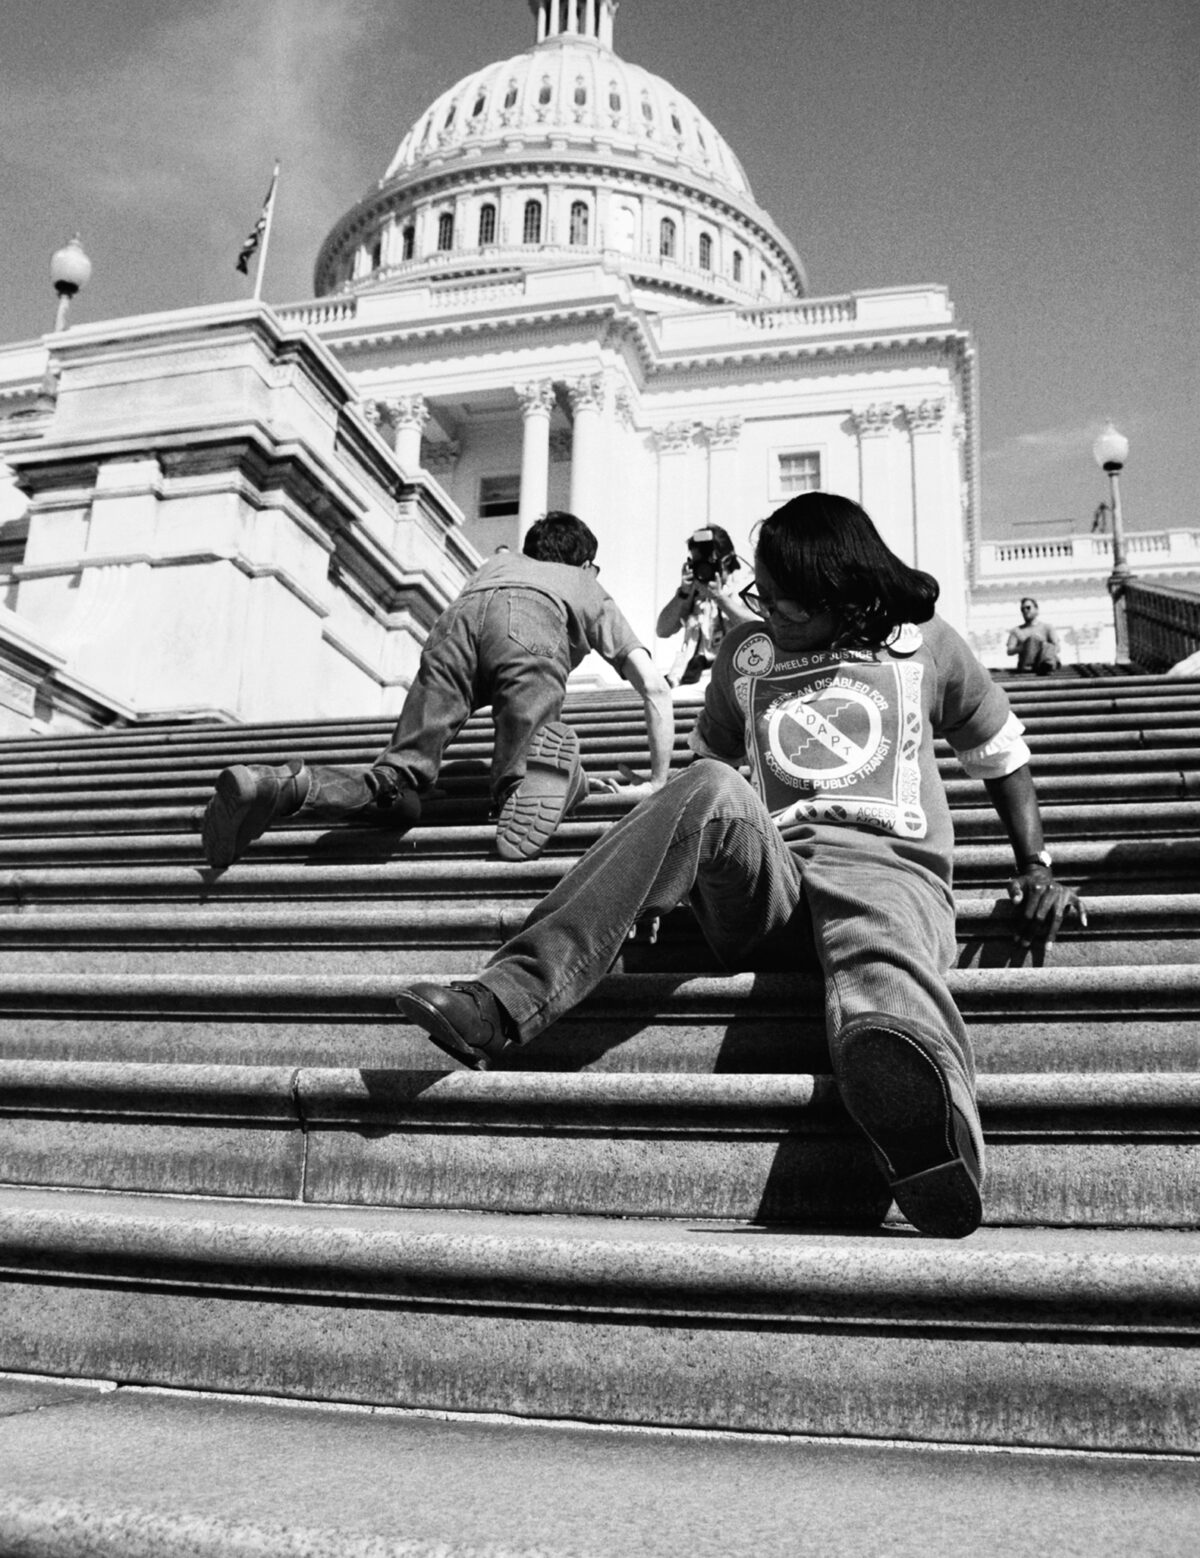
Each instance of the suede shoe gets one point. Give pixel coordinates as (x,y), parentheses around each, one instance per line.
(553,785)
(928,1144)
(465,1020)
(247,799)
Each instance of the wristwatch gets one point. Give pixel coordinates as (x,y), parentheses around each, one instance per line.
(1042,858)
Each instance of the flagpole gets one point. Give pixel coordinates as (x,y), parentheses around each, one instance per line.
(262,257)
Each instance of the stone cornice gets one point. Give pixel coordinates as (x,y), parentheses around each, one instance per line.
(618,324)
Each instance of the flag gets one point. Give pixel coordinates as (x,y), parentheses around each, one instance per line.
(254,239)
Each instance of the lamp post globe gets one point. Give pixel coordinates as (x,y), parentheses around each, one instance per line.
(1111,449)
(70,270)
(1110,452)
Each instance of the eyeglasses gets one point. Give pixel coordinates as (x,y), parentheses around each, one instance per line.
(762,607)
(590,567)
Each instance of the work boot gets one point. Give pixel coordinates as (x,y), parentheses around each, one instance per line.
(247,799)
(927,1141)
(395,796)
(553,785)
(465,1020)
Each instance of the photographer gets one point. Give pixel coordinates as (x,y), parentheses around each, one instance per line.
(706,604)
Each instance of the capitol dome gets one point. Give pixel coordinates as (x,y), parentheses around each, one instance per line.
(563,153)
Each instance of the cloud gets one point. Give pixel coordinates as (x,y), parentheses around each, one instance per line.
(187,123)
(1044,447)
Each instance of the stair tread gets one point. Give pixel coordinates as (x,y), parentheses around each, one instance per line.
(994,1259)
(138,1473)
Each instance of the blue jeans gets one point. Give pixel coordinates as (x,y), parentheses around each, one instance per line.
(881,932)
(506,647)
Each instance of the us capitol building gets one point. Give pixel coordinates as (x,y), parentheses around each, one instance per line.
(561,293)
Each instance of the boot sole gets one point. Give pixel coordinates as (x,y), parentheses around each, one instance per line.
(897,1096)
(440,1031)
(234,817)
(551,787)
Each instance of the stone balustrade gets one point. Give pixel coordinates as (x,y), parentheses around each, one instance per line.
(1092,554)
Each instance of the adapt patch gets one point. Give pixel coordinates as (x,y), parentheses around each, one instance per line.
(840,743)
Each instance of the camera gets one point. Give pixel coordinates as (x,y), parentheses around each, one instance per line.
(708,555)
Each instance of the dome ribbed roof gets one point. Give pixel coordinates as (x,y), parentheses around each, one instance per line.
(571,90)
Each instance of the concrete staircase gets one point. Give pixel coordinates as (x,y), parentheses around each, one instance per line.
(226,1167)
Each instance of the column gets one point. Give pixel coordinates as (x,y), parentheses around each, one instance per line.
(940,544)
(722,438)
(408,414)
(873,424)
(537,402)
(586,396)
(677,508)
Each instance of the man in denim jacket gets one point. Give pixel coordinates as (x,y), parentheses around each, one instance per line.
(521,625)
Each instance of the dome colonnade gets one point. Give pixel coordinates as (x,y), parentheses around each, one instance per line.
(556,156)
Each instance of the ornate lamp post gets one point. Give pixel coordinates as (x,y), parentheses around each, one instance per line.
(70,269)
(1110,451)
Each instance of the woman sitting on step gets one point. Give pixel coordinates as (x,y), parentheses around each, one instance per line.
(838,848)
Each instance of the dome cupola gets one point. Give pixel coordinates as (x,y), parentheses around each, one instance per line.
(561,154)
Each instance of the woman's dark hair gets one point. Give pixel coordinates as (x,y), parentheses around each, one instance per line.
(823,551)
(559,537)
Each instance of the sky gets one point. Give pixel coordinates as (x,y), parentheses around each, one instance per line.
(1039,158)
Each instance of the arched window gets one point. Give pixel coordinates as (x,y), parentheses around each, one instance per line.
(700,138)
(675,124)
(614,98)
(705,252)
(408,242)
(510,99)
(544,91)
(737,265)
(449,118)
(666,238)
(446,230)
(647,110)
(579,222)
(580,92)
(480,105)
(487,224)
(531,232)
(377,254)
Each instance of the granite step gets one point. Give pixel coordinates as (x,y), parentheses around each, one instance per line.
(1020,1020)
(1082,1150)
(340,863)
(682,1323)
(621,743)
(458,936)
(100,1470)
(465,826)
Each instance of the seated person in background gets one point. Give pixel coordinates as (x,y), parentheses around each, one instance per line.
(838,850)
(521,625)
(706,604)
(1034,642)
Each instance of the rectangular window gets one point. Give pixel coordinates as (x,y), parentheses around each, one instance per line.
(498,496)
(798,472)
